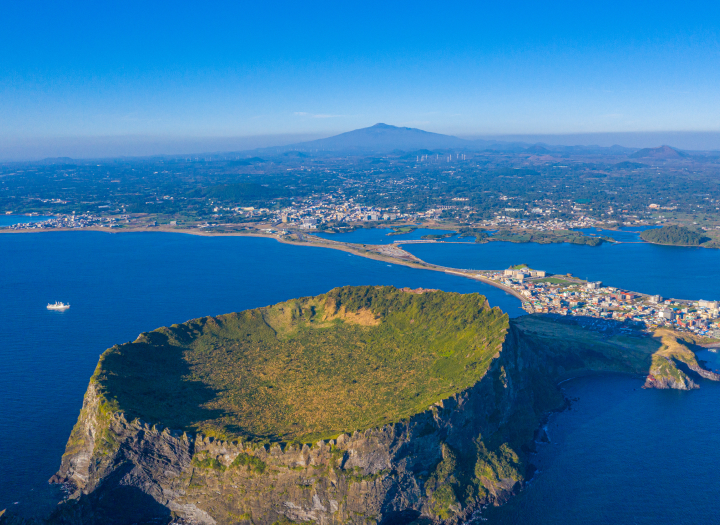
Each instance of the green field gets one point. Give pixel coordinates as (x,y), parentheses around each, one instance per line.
(311,368)
(554,280)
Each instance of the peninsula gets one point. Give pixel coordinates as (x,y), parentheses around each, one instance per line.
(362,405)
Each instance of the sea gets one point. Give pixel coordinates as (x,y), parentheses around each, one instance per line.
(619,455)
(670,271)
(9,220)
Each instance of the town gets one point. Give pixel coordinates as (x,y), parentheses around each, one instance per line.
(565,295)
(72,221)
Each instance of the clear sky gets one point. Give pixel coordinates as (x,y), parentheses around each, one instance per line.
(227,69)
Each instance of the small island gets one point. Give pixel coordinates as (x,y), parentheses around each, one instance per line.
(675,236)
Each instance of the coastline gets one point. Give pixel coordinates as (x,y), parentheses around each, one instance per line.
(378,252)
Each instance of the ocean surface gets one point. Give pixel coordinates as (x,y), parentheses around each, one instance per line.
(670,271)
(9,220)
(624,455)
(119,285)
(620,455)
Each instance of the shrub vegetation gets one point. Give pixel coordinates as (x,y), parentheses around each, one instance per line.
(678,235)
(307,369)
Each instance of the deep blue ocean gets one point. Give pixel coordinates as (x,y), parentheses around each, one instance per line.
(620,455)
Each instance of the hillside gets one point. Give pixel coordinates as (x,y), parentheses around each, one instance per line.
(675,235)
(662,152)
(307,369)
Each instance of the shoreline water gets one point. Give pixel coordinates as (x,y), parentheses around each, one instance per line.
(368,251)
(360,250)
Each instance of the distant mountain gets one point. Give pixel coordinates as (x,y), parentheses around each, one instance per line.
(410,142)
(663,152)
(384,138)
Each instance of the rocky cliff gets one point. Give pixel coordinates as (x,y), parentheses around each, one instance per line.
(674,364)
(438,465)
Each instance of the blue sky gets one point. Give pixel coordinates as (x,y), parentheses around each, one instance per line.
(226,69)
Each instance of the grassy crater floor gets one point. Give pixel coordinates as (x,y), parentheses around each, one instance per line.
(306,369)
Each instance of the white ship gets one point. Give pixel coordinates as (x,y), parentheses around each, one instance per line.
(58,306)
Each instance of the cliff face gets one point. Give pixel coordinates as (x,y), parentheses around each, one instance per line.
(674,363)
(438,465)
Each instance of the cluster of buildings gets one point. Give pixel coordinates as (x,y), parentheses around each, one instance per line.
(311,214)
(548,224)
(84,220)
(568,296)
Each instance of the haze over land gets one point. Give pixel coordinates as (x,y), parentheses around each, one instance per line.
(14,149)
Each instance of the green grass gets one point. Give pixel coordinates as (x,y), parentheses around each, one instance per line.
(307,369)
(553,280)
(253,463)
(571,347)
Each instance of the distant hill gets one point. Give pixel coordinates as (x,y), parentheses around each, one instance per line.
(537,149)
(676,235)
(663,152)
(385,138)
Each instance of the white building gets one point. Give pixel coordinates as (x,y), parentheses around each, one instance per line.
(667,314)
